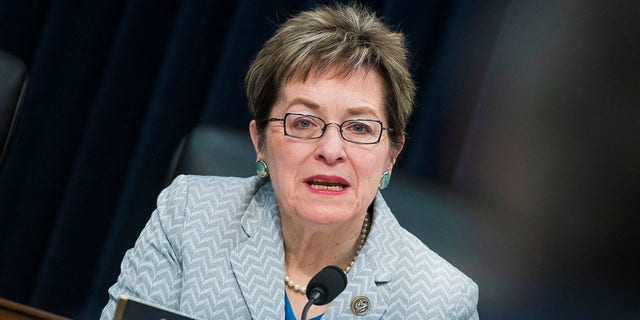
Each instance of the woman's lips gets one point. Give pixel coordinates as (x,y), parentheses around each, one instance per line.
(325,183)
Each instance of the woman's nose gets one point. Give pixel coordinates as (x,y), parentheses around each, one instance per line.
(331,145)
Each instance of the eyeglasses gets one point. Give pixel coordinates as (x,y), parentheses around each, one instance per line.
(304,126)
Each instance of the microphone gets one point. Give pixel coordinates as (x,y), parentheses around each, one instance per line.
(325,286)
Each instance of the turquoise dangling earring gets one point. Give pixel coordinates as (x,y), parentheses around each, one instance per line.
(261,169)
(384,180)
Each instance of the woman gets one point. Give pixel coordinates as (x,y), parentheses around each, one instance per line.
(331,95)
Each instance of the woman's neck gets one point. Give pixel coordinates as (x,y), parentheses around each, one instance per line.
(309,248)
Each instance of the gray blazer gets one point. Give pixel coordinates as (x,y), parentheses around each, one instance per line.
(213,248)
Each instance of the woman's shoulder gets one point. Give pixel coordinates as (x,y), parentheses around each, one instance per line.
(197,207)
(213,187)
(411,252)
(193,195)
(419,269)
(425,262)
(427,279)
(207,182)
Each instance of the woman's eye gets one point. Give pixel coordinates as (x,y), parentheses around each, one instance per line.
(359,127)
(303,123)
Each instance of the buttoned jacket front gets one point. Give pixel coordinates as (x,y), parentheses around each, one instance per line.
(213,248)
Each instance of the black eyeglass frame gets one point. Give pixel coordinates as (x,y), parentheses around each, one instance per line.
(326,124)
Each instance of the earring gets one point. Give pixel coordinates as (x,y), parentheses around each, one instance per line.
(384,180)
(261,169)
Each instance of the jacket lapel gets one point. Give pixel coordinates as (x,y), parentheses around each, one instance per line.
(257,262)
(373,269)
(362,291)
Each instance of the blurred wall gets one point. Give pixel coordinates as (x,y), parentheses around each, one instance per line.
(553,152)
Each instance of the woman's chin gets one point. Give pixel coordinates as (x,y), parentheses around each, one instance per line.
(327,215)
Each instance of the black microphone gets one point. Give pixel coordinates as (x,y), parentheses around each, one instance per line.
(325,286)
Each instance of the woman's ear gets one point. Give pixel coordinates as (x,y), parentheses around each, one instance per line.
(395,152)
(255,138)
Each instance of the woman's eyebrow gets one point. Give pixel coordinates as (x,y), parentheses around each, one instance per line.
(361,111)
(305,102)
(356,111)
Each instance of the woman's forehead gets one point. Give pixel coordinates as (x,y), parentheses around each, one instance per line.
(359,93)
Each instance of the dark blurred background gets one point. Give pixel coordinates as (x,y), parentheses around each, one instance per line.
(525,140)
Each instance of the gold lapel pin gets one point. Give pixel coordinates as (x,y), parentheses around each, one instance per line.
(360,305)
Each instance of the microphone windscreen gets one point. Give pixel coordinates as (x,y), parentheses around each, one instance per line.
(331,280)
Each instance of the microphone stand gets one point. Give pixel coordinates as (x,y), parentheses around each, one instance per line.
(315,298)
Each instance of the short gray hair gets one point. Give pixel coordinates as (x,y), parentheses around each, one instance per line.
(348,37)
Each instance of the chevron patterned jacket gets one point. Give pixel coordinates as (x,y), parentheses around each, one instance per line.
(213,249)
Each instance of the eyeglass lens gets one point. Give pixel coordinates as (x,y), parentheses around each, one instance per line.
(312,127)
